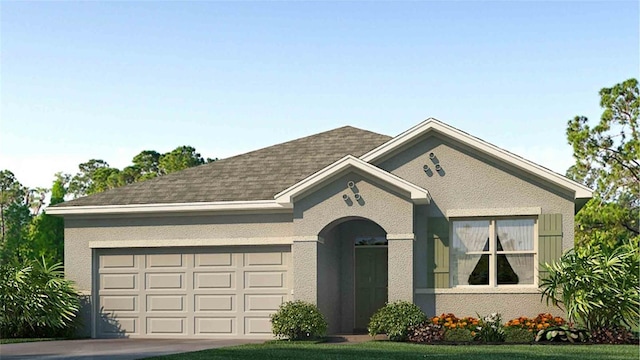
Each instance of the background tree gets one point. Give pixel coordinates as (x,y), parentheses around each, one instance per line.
(82,183)
(147,165)
(46,232)
(180,158)
(607,160)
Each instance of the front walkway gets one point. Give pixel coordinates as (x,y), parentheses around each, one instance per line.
(107,349)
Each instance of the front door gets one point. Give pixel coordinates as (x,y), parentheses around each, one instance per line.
(371,282)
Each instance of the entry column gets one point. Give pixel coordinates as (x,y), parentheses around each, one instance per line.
(400,283)
(305,268)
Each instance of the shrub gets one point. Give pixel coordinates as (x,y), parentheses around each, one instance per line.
(490,329)
(458,335)
(394,319)
(613,335)
(597,284)
(563,333)
(426,332)
(540,322)
(36,300)
(297,320)
(518,335)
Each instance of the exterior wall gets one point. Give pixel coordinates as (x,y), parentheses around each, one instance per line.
(469,180)
(329,273)
(80,231)
(509,305)
(392,211)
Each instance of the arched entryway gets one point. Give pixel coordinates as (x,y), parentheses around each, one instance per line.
(352,273)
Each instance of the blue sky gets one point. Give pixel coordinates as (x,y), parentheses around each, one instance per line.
(106,80)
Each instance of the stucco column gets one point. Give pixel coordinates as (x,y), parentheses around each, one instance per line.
(400,282)
(305,269)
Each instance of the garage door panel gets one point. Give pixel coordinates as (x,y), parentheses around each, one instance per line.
(112,327)
(190,292)
(214,280)
(257,325)
(212,260)
(118,303)
(264,279)
(209,325)
(214,302)
(166,325)
(261,259)
(163,281)
(157,303)
(119,281)
(117,261)
(164,260)
(263,302)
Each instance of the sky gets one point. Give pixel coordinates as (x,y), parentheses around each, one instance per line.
(106,80)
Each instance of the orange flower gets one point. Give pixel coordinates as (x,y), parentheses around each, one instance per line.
(435,320)
(540,326)
(528,323)
(473,333)
(448,319)
(516,322)
(546,325)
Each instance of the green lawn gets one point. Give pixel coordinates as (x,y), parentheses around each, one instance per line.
(24,340)
(388,350)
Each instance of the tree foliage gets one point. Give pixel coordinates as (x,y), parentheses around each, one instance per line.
(606,157)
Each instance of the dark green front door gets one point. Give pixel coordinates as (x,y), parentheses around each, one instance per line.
(371,282)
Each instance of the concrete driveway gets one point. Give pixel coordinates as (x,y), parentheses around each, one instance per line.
(103,349)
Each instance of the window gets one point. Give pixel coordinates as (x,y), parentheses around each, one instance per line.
(493,252)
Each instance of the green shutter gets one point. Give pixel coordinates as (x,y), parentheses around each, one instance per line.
(549,241)
(438,252)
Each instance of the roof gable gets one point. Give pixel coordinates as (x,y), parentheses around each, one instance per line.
(477,144)
(417,194)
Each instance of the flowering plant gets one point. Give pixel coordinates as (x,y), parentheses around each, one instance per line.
(450,321)
(490,329)
(540,322)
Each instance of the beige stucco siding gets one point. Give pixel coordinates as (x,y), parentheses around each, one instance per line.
(469,180)
(472,181)
(79,232)
(391,210)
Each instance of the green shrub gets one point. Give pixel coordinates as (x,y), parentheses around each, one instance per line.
(458,335)
(597,284)
(490,329)
(562,333)
(36,300)
(518,335)
(298,320)
(394,319)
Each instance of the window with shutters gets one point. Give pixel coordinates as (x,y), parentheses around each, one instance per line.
(493,252)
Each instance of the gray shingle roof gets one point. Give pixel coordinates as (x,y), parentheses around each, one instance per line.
(256,175)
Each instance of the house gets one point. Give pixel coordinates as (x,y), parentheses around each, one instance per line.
(347,219)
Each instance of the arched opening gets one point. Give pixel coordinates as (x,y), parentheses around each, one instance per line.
(352,273)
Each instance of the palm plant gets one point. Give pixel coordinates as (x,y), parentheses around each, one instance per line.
(597,285)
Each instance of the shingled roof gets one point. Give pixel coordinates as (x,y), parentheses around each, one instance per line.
(256,175)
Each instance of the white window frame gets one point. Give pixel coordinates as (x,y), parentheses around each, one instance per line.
(493,253)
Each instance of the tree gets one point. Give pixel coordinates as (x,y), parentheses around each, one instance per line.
(180,158)
(147,165)
(83,182)
(46,232)
(607,160)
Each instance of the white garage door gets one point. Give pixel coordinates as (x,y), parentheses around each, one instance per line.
(187,292)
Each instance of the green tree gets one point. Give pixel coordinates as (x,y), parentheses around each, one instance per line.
(83,182)
(147,165)
(607,160)
(46,232)
(180,158)
(14,216)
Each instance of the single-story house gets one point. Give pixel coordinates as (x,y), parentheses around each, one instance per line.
(346,219)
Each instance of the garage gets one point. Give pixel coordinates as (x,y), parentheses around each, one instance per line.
(208,292)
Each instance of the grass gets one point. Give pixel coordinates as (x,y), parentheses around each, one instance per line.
(388,350)
(25,340)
